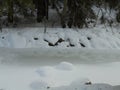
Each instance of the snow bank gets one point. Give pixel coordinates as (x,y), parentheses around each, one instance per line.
(98,38)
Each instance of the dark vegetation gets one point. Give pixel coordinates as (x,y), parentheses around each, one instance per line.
(72,13)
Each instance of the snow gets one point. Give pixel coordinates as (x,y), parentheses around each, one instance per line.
(65,66)
(109,15)
(46,71)
(51,38)
(26,78)
(93,38)
(60,59)
(34,69)
(85,87)
(39,85)
(14,37)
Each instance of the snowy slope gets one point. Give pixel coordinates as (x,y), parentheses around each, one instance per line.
(98,38)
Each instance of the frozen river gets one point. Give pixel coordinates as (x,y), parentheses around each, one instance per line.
(54,56)
(21,68)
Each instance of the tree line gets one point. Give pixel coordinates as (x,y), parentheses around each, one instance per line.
(72,13)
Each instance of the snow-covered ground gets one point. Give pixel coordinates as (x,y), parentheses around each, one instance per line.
(61,59)
(92,38)
(56,69)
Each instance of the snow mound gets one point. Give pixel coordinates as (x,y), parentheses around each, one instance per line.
(65,66)
(53,75)
(48,71)
(51,39)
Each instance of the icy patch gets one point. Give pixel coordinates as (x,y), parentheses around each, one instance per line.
(65,66)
